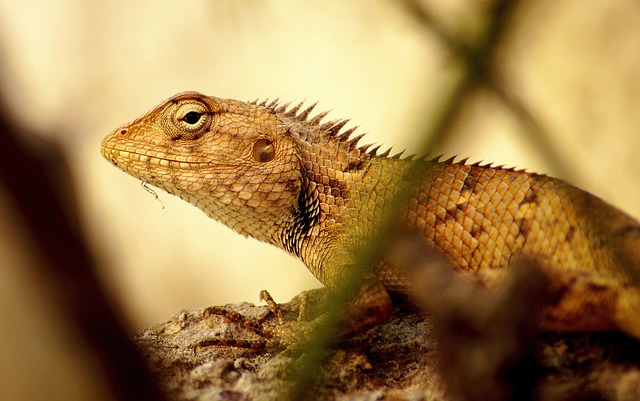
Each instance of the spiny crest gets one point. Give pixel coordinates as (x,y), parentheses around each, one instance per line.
(451,160)
(331,130)
(480,164)
(334,130)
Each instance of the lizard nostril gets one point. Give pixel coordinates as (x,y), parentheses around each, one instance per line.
(123,132)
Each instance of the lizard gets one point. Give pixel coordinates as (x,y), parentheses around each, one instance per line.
(275,172)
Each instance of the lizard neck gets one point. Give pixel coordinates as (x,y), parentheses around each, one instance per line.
(341,206)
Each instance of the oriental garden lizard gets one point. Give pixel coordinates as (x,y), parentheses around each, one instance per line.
(273,172)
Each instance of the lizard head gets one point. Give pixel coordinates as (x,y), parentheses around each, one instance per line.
(234,160)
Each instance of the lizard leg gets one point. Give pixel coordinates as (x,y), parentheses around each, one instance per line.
(272,333)
(273,305)
(370,307)
(256,345)
(266,340)
(587,302)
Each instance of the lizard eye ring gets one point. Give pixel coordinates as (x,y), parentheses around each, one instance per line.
(192,119)
(263,150)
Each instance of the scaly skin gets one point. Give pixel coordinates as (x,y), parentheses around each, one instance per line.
(273,173)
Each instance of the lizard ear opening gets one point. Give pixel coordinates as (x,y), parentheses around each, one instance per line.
(263,150)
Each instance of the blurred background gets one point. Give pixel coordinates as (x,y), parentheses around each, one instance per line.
(74,70)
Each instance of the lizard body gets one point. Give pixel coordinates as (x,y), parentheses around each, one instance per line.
(274,173)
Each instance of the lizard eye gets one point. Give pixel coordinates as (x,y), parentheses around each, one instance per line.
(192,120)
(263,150)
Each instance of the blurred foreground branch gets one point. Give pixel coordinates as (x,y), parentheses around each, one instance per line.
(481,60)
(37,181)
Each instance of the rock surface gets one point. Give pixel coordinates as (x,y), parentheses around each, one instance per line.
(397,360)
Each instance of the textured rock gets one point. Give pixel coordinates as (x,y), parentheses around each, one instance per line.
(397,360)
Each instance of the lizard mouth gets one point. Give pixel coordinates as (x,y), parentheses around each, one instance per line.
(122,156)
